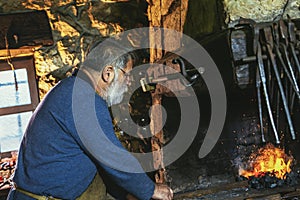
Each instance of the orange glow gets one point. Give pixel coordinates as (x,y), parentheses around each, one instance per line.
(268,159)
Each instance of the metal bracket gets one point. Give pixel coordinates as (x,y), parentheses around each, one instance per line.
(149,83)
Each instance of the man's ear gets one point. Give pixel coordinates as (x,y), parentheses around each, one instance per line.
(108,74)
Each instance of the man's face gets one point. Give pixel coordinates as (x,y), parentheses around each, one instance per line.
(119,86)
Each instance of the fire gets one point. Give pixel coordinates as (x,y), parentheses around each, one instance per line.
(268,159)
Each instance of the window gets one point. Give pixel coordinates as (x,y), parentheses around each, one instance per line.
(18,99)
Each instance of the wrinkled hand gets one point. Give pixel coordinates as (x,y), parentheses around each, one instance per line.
(162,192)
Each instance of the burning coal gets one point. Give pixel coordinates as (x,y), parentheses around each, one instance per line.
(268,160)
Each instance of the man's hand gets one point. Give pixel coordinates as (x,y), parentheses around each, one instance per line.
(162,192)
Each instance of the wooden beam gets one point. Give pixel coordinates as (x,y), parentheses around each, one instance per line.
(168,14)
(14,53)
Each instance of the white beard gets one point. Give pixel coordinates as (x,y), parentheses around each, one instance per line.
(115,92)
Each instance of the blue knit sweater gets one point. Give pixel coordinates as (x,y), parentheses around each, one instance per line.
(53,159)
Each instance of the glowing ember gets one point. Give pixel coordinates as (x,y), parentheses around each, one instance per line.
(268,159)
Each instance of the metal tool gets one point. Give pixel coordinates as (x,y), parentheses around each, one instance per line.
(289,71)
(265,90)
(269,46)
(148,83)
(258,85)
(292,42)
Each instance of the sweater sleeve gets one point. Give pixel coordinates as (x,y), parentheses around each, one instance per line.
(97,136)
(119,188)
(138,184)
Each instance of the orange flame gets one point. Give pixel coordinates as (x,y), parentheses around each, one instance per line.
(268,159)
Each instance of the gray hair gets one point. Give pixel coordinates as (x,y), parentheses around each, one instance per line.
(108,52)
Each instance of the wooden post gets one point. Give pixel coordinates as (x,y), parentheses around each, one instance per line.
(168,14)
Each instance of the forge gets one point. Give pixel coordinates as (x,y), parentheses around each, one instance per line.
(261,115)
(220,176)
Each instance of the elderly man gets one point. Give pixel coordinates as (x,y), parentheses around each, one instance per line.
(62,154)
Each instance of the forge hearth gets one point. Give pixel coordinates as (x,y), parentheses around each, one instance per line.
(269,180)
(270,167)
(217,175)
(269,160)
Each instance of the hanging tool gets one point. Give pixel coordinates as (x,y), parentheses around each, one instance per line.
(269,46)
(260,78)
(292,42)
(258,85)
(282,46)
(264,85)
(289,71)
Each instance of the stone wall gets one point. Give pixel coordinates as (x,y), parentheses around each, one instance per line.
(260,10)
(75,25)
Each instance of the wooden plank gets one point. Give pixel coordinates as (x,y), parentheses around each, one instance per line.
(258,194)
(268,197)
(202,192)
(279,193)
(263,194)
(292,194)
(13,53)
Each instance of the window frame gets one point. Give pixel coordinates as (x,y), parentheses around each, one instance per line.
(27,63)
